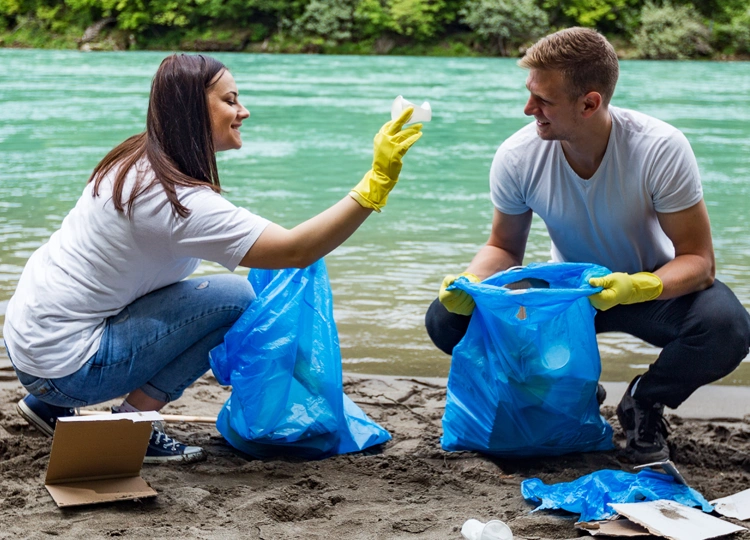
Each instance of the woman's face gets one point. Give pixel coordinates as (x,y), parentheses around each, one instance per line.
(226,112)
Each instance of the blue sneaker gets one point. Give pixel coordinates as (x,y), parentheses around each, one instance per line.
(41,415)
(163,448)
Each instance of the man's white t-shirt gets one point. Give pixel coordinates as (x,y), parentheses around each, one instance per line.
(101,260)
(611,218)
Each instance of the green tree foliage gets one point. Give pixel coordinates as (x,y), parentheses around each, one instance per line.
(373,17)
(330,19)
(672,29)
(509,23)
(610,15)
(416,18)
(716,10)
(734,36)
(48,15)
(671,32)
(137,14)
(9,8)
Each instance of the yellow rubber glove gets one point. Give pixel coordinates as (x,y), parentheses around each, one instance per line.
(620,288)
(457,301)
(391,143)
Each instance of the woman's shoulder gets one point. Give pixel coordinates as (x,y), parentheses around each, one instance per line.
(140,172)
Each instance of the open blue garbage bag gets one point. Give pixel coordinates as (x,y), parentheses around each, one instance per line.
(590,495)
(523,379)
(283,361)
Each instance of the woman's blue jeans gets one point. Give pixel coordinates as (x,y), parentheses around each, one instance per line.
(159,344)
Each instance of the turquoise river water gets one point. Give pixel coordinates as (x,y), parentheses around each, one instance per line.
(309,141)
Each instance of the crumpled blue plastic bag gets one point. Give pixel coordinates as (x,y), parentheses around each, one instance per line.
(523,379)
(283,361)
(590,495)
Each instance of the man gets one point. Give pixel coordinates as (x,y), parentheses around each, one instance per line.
(621,189)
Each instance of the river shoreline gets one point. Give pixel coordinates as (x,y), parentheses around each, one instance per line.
(459,46)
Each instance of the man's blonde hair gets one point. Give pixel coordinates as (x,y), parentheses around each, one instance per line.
(586,59)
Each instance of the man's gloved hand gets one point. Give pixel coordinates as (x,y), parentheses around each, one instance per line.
(620,288)
(457,301)
(391,143)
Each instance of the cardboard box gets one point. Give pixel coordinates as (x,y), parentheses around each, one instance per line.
(736,506)
(675,521)
(620,528)
(97,459)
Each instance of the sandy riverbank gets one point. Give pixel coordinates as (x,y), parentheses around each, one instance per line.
(408,489)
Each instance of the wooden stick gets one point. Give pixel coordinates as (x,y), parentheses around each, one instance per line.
(166,417)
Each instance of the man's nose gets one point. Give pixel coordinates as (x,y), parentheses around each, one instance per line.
(530,107)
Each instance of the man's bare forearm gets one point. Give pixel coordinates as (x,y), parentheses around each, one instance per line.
(490,260)
(686,274)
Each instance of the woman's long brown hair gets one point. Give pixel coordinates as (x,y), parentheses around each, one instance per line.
(177,142)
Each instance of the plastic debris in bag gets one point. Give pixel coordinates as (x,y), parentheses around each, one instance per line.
(283,361)
(523,379)
(590,495)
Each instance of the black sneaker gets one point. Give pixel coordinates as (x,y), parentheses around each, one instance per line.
(645,427)
(163,448)
(41,415)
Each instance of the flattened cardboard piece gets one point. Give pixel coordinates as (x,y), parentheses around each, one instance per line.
(668,467)
(97,459)
(615,527)
(99,491)
(735,506)
(674,520)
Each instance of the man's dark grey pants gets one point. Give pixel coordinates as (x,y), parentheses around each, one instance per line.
(704,336)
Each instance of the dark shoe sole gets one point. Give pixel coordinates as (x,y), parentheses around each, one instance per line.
(184,458)
(33,419)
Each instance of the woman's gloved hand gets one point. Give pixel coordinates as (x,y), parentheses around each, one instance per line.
(457,301)
(391,143)
(621,288)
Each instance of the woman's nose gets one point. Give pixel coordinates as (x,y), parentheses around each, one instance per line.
(244,113)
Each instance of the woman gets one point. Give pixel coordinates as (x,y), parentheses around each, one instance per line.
(103,309)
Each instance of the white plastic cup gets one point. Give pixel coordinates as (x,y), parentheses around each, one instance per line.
(495,529)
(422,113)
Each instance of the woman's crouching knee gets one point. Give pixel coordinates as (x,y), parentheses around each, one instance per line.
(233,292)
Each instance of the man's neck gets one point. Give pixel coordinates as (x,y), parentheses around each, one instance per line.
(586,151)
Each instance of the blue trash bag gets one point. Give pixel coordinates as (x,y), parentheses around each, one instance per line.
(590,495)
(523,379)
(283,361)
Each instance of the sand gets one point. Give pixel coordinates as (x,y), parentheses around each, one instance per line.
(408,489)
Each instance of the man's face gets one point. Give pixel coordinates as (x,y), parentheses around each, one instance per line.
(550,104)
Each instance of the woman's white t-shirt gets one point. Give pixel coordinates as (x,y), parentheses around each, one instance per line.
(101,260)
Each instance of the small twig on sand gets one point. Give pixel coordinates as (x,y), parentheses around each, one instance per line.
(415,413)
(424,383)
(165,417)
(409,394)
(394,403)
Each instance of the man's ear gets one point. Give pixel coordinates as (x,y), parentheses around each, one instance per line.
(592,102)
